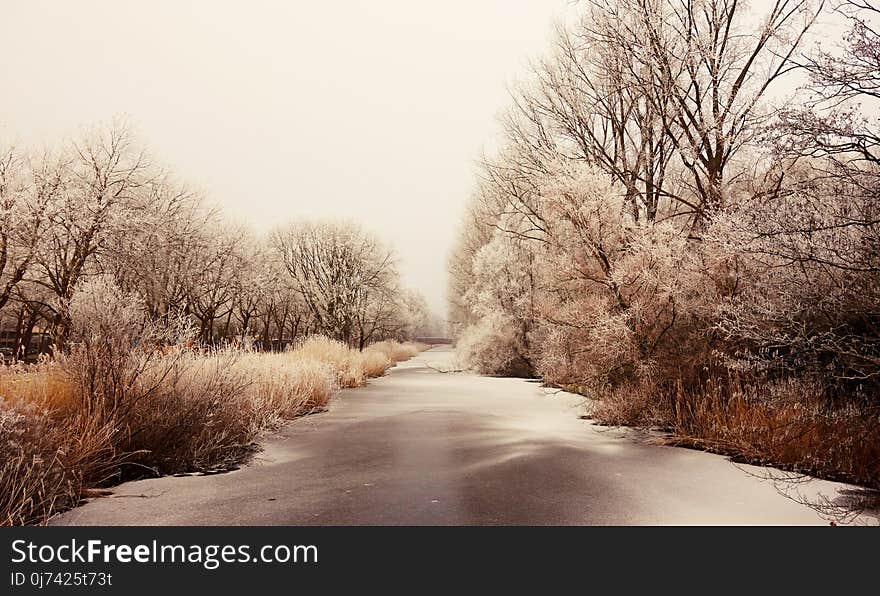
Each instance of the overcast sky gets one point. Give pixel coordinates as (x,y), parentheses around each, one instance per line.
(374,110)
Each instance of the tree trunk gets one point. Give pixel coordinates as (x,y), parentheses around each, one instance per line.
(264,341)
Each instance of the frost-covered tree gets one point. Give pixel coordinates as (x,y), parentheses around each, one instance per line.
(665,96)
(502,300)
(344,275)
(26,188)
(838,116)
(96,208)
(640,127)
(155,256)
(99,175)
(219,258)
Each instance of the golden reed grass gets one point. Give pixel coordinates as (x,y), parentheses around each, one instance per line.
(185,411)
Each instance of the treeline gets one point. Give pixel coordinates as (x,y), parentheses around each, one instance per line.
(98,210)
(675,228)
(176,338)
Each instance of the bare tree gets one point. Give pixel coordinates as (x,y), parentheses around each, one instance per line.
(707,66)
(590,103)
(844,86)
(219,257)
(340,271)
(154,256)
(25,191)
(99,175)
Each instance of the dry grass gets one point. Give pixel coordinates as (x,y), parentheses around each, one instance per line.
(353,367)
(32,479)
(629,405)
(48,461)
(287,385)
(380,356)
(342,359)
(43,384)
(783,423)
(374,363)
(66,429)
(397,351)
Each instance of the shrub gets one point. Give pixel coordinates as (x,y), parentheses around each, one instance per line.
(808,286)
(192,413)
(113,344)
(204,411)
(587,344)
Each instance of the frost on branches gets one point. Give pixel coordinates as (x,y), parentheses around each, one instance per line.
(652,220)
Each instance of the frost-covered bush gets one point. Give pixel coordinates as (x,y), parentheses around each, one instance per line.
(502,300)
(101,313)
(618,297)
(493,346)
(587,344)
(808,283)
(113,343)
